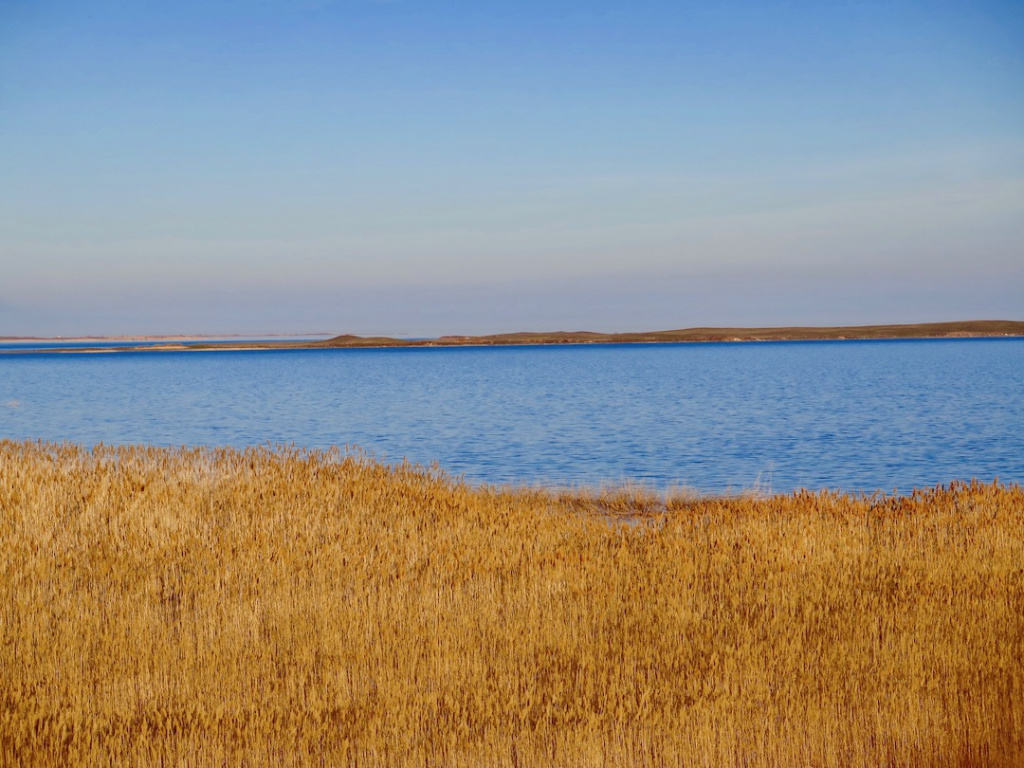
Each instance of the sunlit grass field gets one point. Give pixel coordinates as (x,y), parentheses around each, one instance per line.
(218,608)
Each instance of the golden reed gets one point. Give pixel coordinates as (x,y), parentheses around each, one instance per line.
(202,607)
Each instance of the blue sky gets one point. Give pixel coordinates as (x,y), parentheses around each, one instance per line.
(419,167)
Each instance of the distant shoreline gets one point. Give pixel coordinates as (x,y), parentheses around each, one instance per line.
(949,330)
(156,338)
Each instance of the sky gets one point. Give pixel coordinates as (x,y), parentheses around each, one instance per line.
(423,167)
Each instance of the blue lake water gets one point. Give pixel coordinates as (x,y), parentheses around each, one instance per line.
(855,415)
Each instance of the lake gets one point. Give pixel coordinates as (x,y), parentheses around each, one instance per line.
(715,417)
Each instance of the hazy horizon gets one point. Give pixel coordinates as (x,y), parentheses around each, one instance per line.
(424,168)
(319,334)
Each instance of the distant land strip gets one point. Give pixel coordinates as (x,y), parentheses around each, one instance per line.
(950,330)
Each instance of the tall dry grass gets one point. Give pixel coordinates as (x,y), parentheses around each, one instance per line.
(212,608)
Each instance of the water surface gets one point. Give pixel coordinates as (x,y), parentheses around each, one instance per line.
(856,415)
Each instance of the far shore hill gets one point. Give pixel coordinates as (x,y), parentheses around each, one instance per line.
(950,330)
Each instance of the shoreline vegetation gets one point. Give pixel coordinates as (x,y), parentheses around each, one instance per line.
(212,607)
(958,329)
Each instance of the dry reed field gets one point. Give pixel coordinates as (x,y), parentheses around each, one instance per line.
(201,607)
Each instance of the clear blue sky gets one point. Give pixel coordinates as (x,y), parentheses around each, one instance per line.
(419,167)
